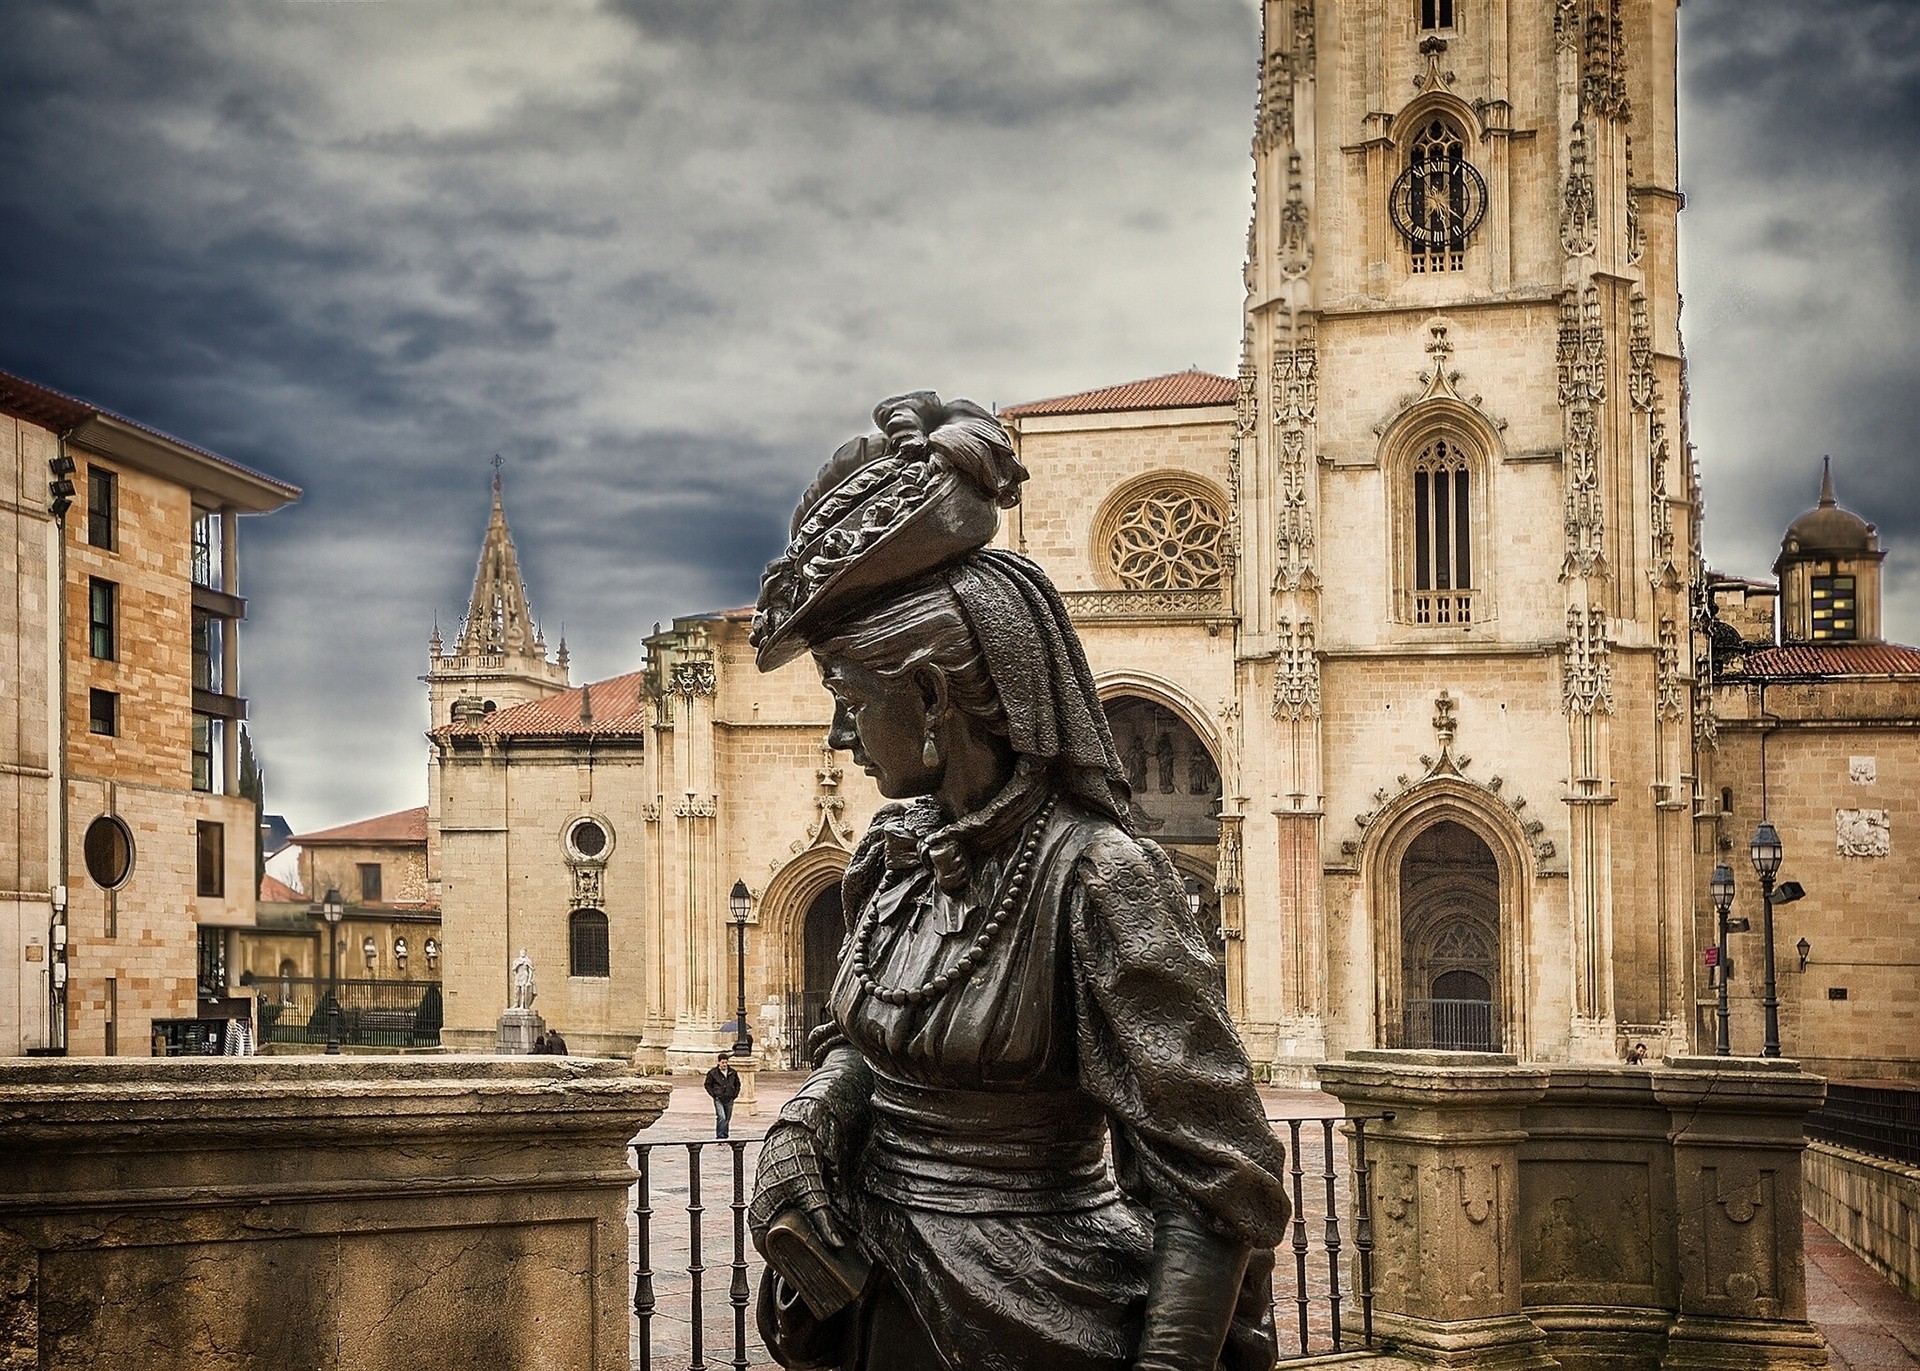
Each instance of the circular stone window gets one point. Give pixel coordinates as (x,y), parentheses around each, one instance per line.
(1167,536)
(109,852)
(589,839)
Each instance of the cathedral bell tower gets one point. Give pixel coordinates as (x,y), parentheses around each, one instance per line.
(500,658)
(1464,530)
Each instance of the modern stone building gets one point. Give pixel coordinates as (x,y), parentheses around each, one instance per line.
(122,700)
(1817,728)
(1401,631)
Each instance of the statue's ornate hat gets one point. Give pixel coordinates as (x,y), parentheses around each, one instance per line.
(886,508)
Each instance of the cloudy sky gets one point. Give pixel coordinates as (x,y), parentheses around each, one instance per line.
(661,255)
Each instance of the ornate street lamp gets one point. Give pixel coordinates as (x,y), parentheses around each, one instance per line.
(1766,852)
(333,911)
(740,900)
(1722,887)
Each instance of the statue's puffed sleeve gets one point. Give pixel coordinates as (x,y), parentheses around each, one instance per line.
(1158,1050)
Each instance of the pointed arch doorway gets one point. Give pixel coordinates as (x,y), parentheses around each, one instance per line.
(1450,942)
(822,931)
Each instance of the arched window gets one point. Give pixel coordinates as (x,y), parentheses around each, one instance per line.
(1440,198)
(1166,535)
(587,950)
(1442,535)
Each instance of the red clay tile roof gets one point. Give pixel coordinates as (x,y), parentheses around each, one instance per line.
(279,892)
(618,710)
(1175,390)
(402,826)
(1830,659)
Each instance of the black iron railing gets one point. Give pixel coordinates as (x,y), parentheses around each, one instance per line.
(294,1009)
(685,1312)
(1881,1119)
(1448,1025)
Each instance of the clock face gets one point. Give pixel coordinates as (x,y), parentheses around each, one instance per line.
(1437,203)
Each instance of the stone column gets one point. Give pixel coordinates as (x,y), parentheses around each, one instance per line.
(1738,1136)
(1446,1200)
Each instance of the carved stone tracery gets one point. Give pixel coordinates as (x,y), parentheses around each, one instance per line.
(1583,387)
(1170,537)
(1296,692)
(1589,663)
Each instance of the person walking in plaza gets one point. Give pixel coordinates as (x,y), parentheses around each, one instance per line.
(723,1084)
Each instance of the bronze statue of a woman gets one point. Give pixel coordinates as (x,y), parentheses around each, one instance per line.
(1022,983)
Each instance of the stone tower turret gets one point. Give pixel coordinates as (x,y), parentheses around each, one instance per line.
(500,657)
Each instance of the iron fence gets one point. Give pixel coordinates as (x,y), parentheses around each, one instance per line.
(687,1311)
(1879,1118)
(1448,1025)
(295,1009)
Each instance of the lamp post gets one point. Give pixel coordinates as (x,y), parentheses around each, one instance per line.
(333,911)
(740,900)
(1766,852)
(1722,888)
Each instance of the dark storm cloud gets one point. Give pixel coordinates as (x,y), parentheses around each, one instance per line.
(1801,266)
(661,256)
(664,254)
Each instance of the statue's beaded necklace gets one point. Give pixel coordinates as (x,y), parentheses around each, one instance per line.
(929,991)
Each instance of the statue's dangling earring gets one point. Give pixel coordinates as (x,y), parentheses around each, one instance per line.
(930,753)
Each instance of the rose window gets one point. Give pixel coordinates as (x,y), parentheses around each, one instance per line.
(1168,539)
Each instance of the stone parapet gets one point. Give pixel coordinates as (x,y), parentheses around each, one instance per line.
(1611,1218)
(330,1213)
(1870,1204)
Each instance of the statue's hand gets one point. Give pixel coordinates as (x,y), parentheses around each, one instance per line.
(792,1176)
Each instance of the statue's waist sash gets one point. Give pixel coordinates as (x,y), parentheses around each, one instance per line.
(985,1151)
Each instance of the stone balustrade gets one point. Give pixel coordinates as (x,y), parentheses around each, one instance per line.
(303,1212)
(1601,1218)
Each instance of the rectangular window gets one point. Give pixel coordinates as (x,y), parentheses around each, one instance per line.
(101,492)
(208,737)
(206,548)
(210,860)
(103,713)
(208,660)
(112,1006)
(103,605)
(369,883)
(213,963)
(1834,608)
(1436,14)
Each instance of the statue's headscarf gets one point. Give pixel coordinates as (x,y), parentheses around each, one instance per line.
(1046,703)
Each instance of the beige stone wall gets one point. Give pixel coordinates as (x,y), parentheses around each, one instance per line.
(285,1212)
(403,870)
(134,950)
(1861,916)
(29,735)
(1870,1204)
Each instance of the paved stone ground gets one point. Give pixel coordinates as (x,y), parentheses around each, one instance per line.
(1869,1324)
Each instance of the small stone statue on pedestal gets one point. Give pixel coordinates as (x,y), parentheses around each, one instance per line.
(520,1027)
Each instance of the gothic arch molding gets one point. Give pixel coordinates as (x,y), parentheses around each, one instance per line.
(1382,855)
(1442,102)
(1113,684)
(783,913)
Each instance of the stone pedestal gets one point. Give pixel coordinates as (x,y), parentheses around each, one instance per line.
(1446,1178)
(1604,1218)
(346,1213)
(1738,1130)
(519,1028)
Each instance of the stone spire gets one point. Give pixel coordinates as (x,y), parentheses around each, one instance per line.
(498,620)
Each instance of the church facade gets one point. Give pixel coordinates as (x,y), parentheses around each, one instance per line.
(1403,631)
